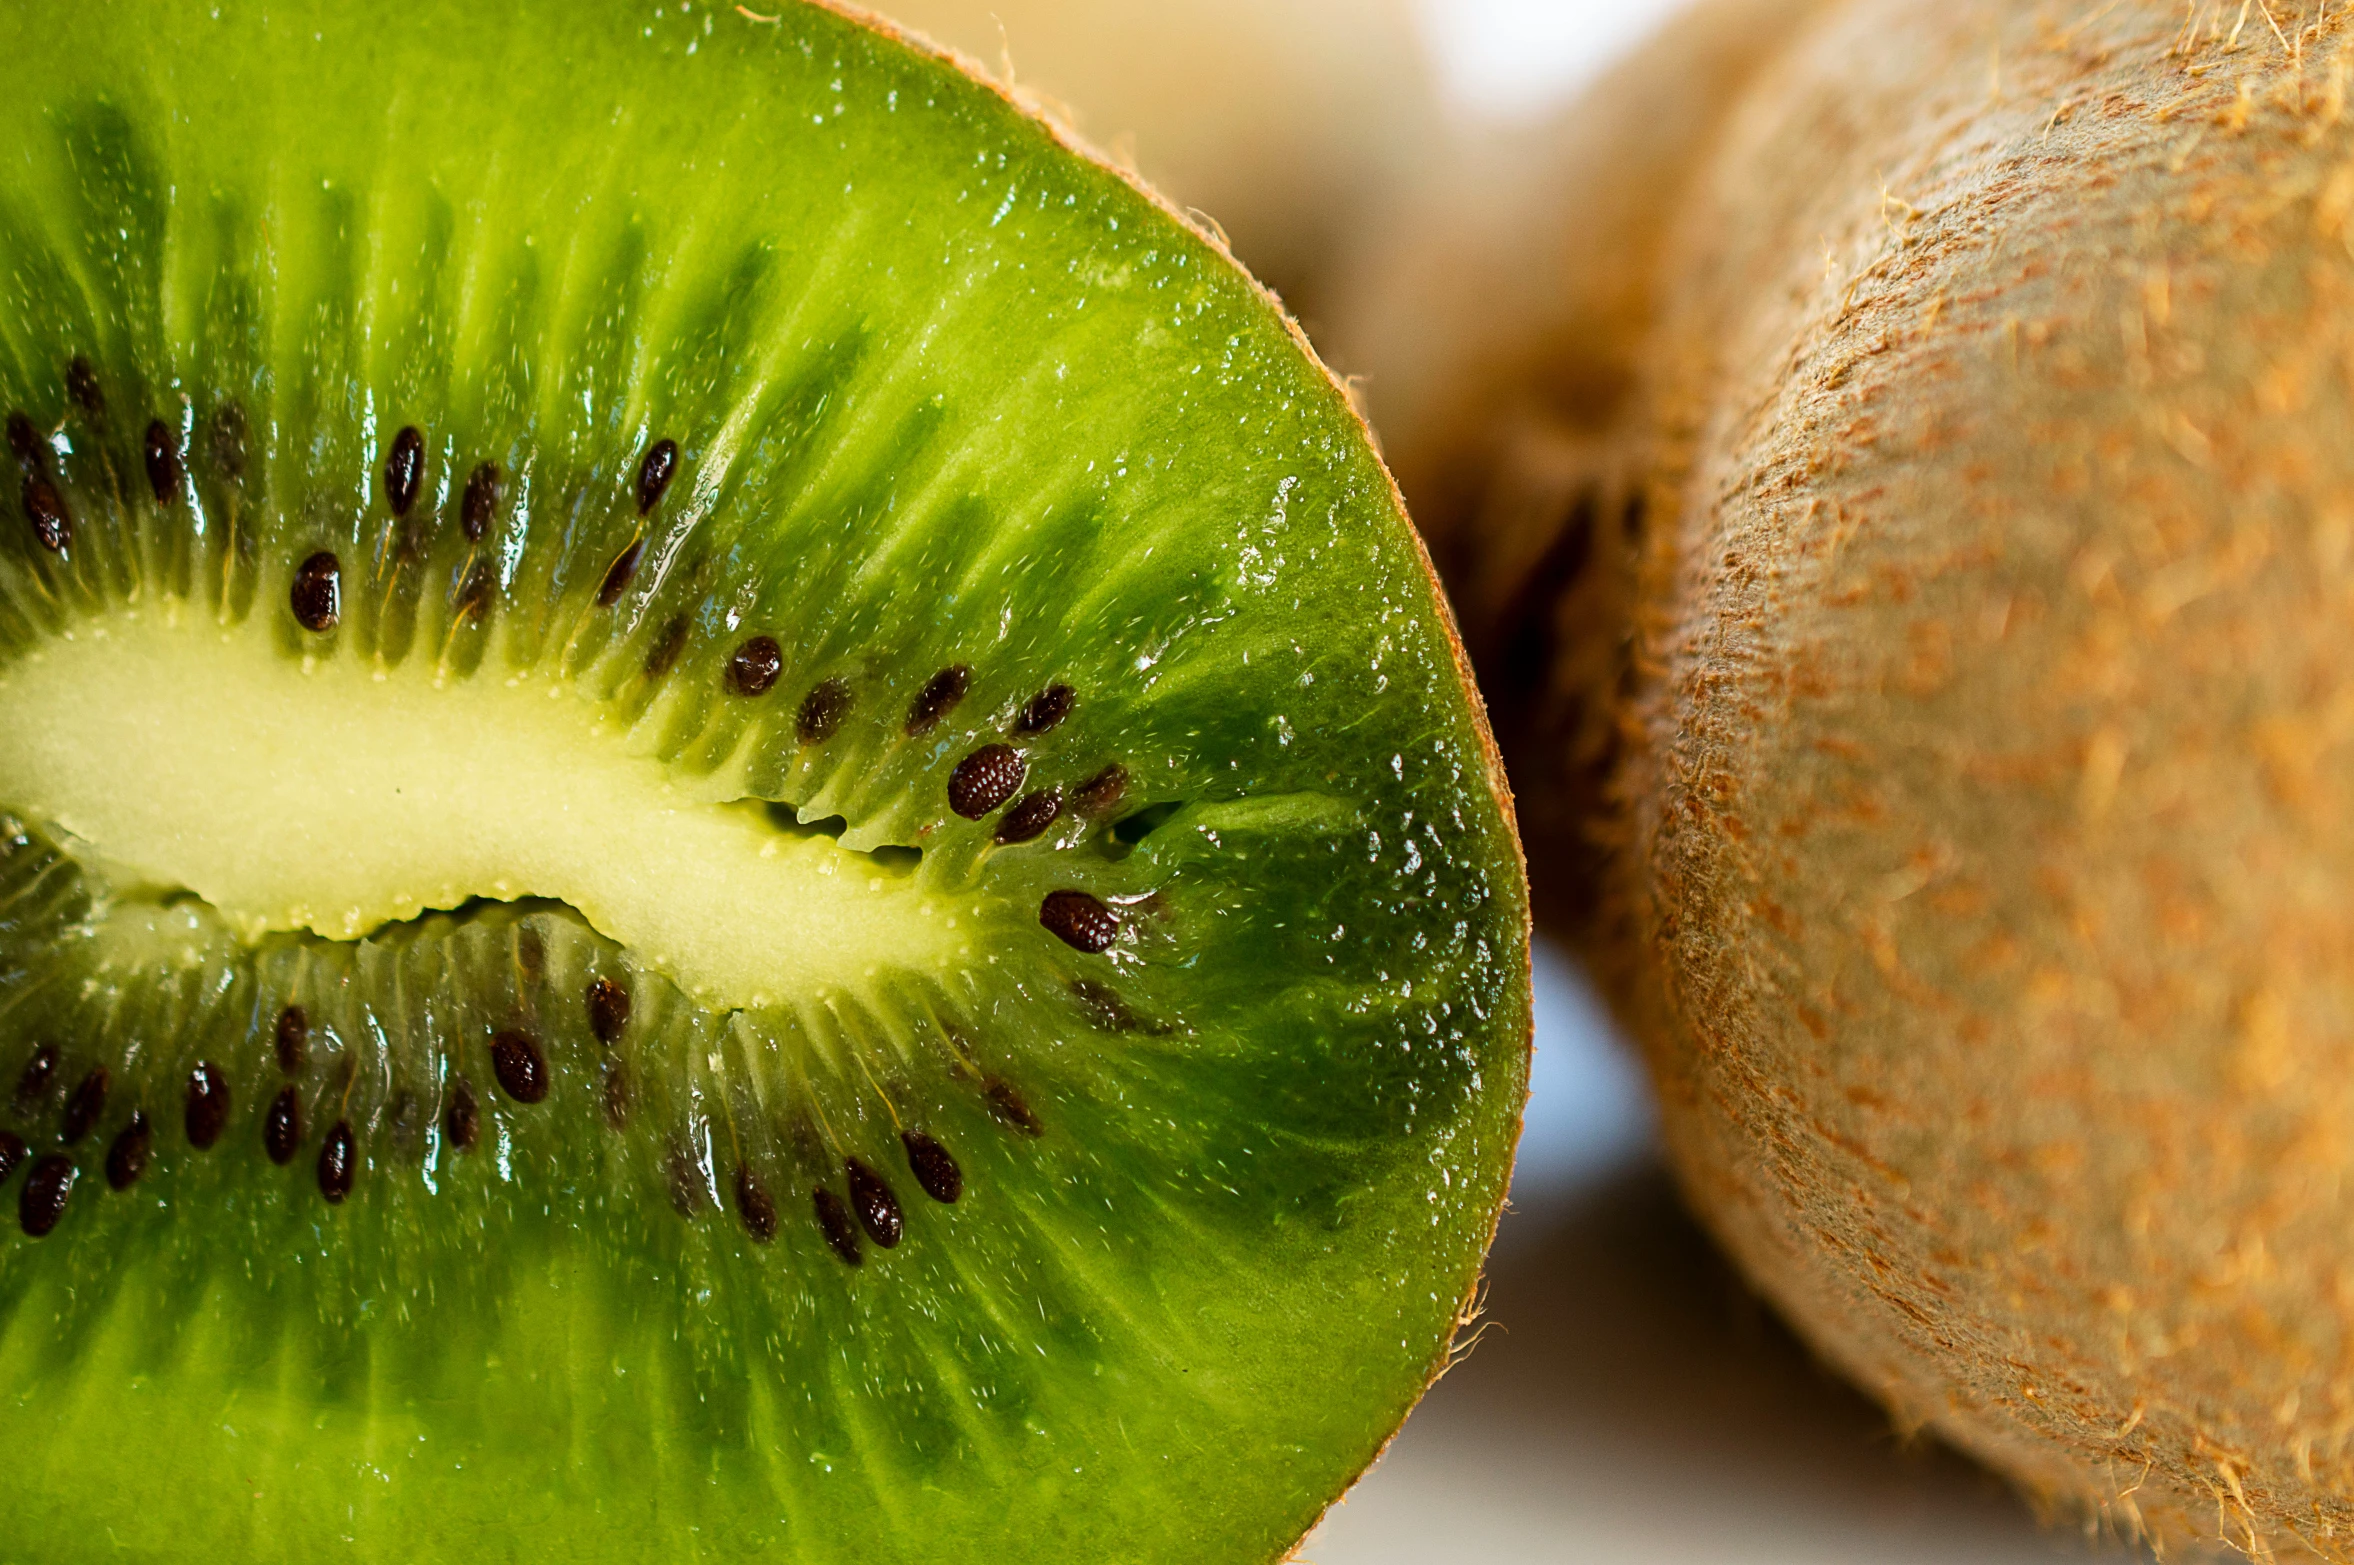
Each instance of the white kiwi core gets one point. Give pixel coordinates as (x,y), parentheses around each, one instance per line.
(330,795)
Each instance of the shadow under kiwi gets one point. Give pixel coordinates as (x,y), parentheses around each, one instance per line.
(1631,1400)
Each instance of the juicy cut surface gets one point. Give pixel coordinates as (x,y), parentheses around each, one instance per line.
(734,821)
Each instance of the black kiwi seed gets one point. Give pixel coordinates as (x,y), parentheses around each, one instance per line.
(165,475)
(655,473)
(407,1119)
(42,1202)
(1028,820)
(294,1039)
(522,1069)
(226,438)
(608,1010)
(822,711)
(618,574)
(481,501)
(465,1117)
(404,468)
(938,698)
(474,593)
(282,1129)
(416,536)
(126,1160)
(317,593)
(13,1153)
(1101,794)
(933,1168)
(617,1096)
(667,646)
(753,1205)
(24,439)
(1103,1005)
(408,541)
(338,1161)
(985,779)
(877,1208)
(686,1191)
(45,509)
(1046,711)
(1079,921)
(37,1074)
(754,669)
(84,1107)
(1008,1104)
(208,1106)
(833,1220)
(81,384)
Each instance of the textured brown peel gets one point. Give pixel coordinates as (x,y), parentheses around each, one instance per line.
(1984,884)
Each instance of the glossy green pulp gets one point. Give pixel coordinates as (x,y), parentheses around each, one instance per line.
(945,394)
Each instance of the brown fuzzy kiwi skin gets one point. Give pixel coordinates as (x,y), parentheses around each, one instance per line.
(1982,888)
(1467,1310)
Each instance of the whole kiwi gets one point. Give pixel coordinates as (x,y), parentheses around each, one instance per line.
(1941,676)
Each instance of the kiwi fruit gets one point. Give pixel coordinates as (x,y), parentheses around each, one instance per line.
(1977,867)
(735,822)
(1285,121)
(1499,318)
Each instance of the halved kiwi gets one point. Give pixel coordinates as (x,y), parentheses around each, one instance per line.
(734,822)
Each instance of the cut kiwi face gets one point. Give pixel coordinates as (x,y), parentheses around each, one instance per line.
(734,822)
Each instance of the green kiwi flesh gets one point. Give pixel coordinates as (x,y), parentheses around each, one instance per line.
(734,821)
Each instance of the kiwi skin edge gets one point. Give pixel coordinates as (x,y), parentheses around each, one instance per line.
(1339,91)
(449,1223)
(1974,872)
(1467,1307)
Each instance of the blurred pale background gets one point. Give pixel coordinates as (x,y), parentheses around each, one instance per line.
(1629,1402)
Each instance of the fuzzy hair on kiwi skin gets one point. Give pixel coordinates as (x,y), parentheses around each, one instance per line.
(1976,871)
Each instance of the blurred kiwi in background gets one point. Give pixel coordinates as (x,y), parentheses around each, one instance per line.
(1494,310)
